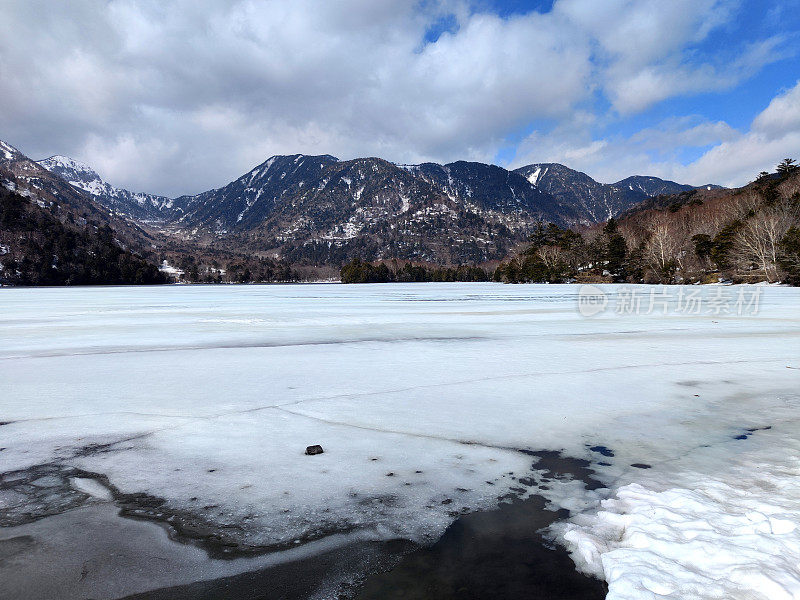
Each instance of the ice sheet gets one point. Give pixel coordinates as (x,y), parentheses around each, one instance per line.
(421,395)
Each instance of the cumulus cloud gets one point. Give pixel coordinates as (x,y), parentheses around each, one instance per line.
(179,97)
(774,133)
(727,156)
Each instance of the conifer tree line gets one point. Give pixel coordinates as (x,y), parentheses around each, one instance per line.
(358,271)
(38,248)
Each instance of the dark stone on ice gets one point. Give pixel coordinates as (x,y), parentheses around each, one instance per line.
(315,449)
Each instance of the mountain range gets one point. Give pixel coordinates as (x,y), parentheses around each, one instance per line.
(322,210)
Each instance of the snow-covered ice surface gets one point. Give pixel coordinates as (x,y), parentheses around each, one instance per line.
(422,396)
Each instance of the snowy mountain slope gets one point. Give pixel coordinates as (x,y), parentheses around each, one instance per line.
(73,207)
(322,209)
(247,201)
(653,186)
(20,174)
(137,206)
(599,201)
(493,188)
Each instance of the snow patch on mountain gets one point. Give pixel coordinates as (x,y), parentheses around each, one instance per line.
(9,152)
(534,177)
(136,205)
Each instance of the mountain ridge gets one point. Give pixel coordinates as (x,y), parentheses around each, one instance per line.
(163,208)
(318,209)
(600,200)
(136,205)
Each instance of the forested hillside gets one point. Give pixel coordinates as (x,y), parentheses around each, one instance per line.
(748,234)
(37,248)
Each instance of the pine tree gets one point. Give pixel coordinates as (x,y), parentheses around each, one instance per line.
(786,166)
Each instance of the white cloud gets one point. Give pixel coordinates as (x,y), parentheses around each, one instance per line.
(733,159)
(781,116)
(773,135)
(634,90)
(183,96)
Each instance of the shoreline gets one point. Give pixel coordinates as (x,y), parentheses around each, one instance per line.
(150,547)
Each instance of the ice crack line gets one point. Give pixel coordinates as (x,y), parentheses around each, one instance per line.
(501,378)
(397,432)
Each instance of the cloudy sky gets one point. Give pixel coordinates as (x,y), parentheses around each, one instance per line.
(183,96)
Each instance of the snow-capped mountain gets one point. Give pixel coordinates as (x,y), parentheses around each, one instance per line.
(653,186)
(599,201)
(135,205)
(320,209)
(24,176)
(49,190)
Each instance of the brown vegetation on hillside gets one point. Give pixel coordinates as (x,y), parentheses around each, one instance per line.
(743,235)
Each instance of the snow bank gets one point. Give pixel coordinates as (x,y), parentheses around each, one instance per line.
(729,531)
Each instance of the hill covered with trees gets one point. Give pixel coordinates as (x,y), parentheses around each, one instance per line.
(37,247)
(748,234)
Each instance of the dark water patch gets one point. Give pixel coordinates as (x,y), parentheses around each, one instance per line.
(296,580)
(602,450)
(750,431)
(489,555)
(557,466)
(492,554)
(95,449)
(41,491)
(496,554)
(46,490)
(222,540)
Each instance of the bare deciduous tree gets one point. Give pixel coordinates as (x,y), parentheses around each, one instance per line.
(758,241)
(662,251)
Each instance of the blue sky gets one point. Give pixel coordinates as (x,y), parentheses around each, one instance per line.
(736,103)
(184,96)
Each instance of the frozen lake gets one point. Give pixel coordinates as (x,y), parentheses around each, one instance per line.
(194,405)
